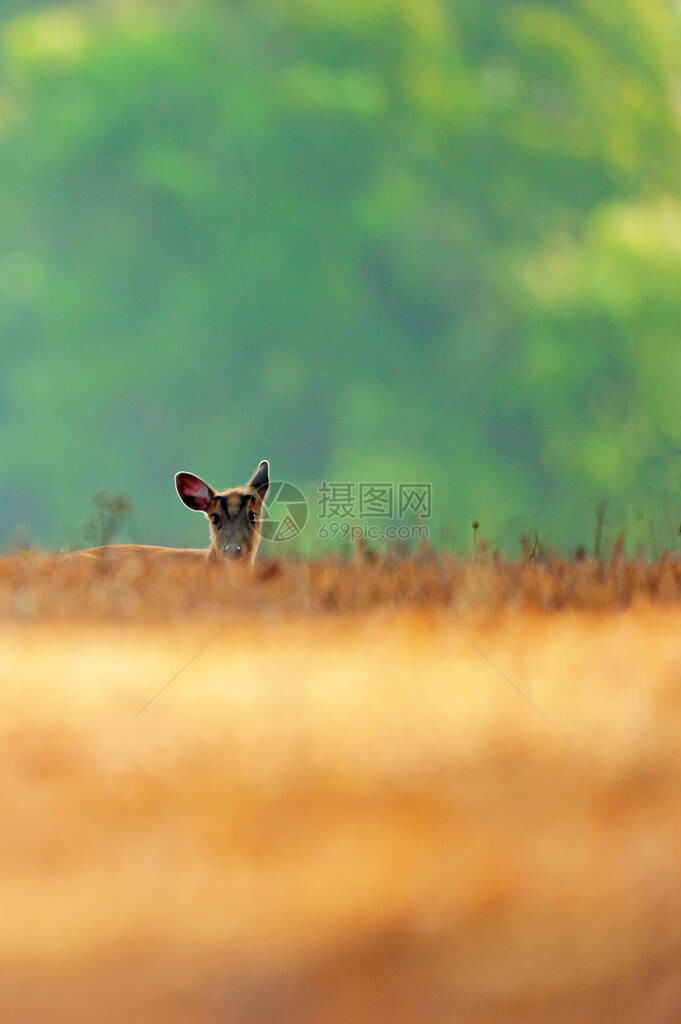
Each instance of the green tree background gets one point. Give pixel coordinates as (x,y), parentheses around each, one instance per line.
(340,219)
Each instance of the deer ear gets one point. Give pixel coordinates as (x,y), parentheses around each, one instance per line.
(192,490)
(260,481)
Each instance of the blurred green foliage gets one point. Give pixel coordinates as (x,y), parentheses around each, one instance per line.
(340,218)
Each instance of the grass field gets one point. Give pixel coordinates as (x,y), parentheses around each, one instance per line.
(385,792)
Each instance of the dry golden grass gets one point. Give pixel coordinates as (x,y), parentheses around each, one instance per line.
(340,810)
(146,589)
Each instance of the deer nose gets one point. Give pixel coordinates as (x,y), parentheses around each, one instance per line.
(232,550)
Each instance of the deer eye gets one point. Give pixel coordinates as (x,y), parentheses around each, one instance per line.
(251,517)
(215,519)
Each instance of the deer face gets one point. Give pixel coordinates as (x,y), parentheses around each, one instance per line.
(234,515)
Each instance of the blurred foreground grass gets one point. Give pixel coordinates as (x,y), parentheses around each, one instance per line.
(338,817)
(149,588)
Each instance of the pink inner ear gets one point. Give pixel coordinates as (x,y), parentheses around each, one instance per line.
(194,492)
(195,487)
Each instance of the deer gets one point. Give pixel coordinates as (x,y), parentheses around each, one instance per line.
(234,517)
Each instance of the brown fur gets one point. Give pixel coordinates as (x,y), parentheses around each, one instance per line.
(141,551)
(234,516)
(232,508)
